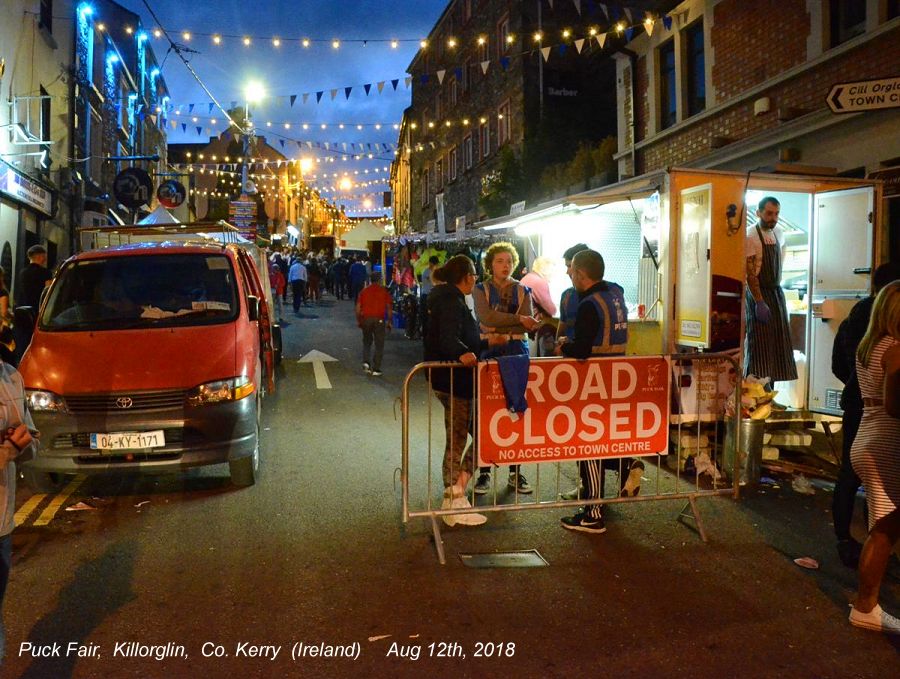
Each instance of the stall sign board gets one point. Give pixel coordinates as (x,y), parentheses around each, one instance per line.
(890,178)
(242,214)
(133,187)
(864,95)
(577,410)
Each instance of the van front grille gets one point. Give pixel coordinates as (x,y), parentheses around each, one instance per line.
(126,402)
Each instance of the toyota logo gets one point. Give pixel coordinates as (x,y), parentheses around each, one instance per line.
(124,402)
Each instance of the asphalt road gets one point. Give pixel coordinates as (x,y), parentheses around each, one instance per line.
(316,554)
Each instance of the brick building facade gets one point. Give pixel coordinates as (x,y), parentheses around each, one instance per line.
(480,84)
(737,85)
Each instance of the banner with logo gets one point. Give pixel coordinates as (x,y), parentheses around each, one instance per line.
(577,410)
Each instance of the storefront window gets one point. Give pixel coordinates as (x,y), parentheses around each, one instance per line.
(667,108)
(848,20)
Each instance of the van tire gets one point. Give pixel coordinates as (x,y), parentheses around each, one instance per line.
(44,482)
(244,470)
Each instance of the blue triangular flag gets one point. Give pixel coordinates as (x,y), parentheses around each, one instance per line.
(190,108)
(629,33)
(504,62)
(459,73)
(367,88)
(184,127)
(562,49)
(319,95)
(281,141)
(424,78)
(226,135)
(293,99)
(199,131)
(394,84)
(667,22)
(347,92)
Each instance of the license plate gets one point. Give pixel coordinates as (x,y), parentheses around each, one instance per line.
(129,441)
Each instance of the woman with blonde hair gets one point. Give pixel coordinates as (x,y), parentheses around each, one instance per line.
(504,306)
(876,455)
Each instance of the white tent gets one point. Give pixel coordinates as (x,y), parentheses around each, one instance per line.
(358,238)
(159,216)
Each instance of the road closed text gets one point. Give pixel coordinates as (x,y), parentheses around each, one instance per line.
(603,407)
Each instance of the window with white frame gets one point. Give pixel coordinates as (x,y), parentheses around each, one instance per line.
(468,152)
(453,160)
(503,43)
(503,124)
(695,69)
(484,138)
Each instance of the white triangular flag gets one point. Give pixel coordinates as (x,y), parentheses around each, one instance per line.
(408,81)
(579,44)
(577,5)
(305,97)
(649,24)
(333,94)
(380,86)
(440,75)
(484,66)
(601,39)
(545,52)
(605,11)
(628,14)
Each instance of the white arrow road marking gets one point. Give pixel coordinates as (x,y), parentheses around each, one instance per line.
(318,360)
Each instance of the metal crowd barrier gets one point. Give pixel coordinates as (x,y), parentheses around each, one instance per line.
(697,423)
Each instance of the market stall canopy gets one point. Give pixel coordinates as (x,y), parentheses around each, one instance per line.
(159,216)
(358,238)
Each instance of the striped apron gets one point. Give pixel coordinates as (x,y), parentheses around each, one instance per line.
(769,350)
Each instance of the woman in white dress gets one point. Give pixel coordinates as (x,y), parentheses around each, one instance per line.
(876,455)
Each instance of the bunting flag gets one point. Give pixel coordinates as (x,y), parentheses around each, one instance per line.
(319,95)
(367,88)
(394,84)
(504,62)
(550,2)
(484,67)
(562,50)
(628,15)
(333,94)
(293,99)
(380,86)
(667,22)
(408,81)
(190,108)
(649,24)
(458,72)
(545,52)
(347,91)
(601,39)
(281,141)
(440,76)
(577,5)
(604,9)
(199,130)
(629,34)
(184,127)
(211,107)
(579,44)
(424,79)
(305,98)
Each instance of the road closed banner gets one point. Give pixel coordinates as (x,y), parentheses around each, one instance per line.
(598,408)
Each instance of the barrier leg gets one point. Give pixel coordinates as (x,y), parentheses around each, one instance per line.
(438,541)
(695,515)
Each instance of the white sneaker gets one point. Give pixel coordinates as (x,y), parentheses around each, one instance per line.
(459,501)
(877,619)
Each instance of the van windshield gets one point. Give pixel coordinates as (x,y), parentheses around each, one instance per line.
(145,291)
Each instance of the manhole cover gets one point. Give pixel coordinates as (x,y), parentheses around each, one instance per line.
(526,558)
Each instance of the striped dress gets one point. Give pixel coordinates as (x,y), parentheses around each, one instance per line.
(876,450)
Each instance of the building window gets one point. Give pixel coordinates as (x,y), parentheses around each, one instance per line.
(468,152)
(484,137)
(893,9)
(439,174)
(454,159)
(425,187)
(696,69)
(454,91)
(502,37)
(45,15)
(503,124)
(667,111)
(45,126)
(847,20)
(484,48)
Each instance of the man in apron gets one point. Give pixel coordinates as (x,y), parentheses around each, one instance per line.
(769,350)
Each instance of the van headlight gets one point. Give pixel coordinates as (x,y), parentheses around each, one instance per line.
(221,390)
(44,401)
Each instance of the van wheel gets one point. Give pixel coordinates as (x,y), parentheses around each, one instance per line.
(44,482)
(244,471)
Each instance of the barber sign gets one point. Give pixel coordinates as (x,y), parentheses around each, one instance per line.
(577,410)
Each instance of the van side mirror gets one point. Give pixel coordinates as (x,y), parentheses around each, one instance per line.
(253,306)
(24,316)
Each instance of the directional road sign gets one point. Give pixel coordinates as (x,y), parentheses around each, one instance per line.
(864,95)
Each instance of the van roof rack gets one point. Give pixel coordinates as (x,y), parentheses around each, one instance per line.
(97,237)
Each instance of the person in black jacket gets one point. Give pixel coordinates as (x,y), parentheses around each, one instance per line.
(843,365)
(453,335)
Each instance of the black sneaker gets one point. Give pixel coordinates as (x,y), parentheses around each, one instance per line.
(518,482)
(483,484)
(849,551)
(584,522)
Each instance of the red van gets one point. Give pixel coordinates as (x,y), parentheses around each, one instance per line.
(150,357)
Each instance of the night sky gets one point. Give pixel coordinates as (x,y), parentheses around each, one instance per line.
(293,69)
